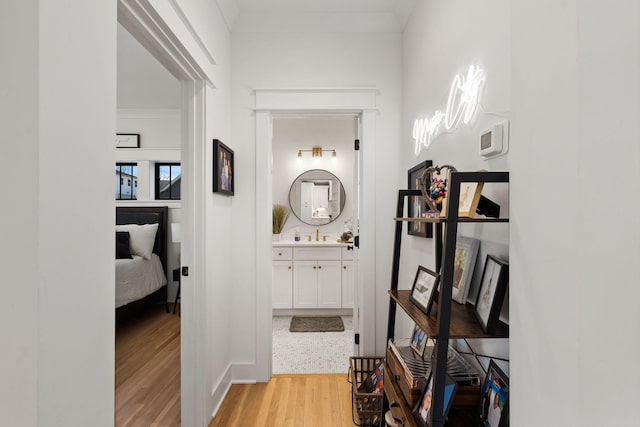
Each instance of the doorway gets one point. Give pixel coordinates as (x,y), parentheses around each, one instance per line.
(153,29)
(269,104)
(313,178)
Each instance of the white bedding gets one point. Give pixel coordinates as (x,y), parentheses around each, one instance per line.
(138,277)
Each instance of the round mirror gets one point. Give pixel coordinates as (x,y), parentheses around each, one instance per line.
(317,197)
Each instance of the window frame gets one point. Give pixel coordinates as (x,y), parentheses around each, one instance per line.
(119,166)
(157,167)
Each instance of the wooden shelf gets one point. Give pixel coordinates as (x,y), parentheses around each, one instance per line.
(394,395)
(464,323)
(444,220)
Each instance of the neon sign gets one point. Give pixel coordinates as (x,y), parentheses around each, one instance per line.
(464,97)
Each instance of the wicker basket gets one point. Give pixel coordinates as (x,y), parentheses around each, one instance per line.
(366,407)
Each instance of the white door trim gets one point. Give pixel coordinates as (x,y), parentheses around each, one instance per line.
(273,102)
(164,31)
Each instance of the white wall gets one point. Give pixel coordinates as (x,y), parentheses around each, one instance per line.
(297,60)
(58,323)
(441,40)
(293,134)
(575,102)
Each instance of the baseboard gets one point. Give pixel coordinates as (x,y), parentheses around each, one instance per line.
(220,391)
(313,312)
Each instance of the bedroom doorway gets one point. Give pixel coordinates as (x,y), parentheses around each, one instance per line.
(151,30)
(148,186)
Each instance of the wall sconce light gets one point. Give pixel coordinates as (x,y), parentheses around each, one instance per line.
(316,153)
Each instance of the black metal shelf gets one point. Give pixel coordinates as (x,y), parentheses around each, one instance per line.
(451,320)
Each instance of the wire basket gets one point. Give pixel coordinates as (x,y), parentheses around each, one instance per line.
(366,408)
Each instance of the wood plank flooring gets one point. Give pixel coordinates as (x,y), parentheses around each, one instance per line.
(295,400)
(148,386)
(147,369)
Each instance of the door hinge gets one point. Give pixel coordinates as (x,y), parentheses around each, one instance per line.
(356,144)
(185,271)
(356,241)
(356,339)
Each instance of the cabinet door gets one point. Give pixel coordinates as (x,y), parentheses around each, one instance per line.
(329,284)
(305,284)
(282,291)
(347,284)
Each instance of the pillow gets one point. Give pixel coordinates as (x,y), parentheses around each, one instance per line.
(141,238)
(123,250)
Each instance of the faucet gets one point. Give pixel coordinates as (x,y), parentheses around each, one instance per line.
(317,234)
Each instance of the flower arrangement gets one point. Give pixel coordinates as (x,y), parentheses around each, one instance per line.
(280,213)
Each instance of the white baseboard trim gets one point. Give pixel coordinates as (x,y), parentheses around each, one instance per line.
(313,312)
(220,391)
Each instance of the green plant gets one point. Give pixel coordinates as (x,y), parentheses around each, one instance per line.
(279,217)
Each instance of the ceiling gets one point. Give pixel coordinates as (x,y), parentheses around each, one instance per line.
(316,15)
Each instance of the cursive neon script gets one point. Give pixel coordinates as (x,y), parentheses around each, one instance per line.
(464,97)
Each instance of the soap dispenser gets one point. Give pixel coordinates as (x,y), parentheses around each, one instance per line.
(297,235)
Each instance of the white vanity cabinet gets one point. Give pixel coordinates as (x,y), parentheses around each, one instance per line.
(317,277)
(282,278)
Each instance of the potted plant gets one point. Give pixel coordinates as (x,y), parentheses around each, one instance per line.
(280,213)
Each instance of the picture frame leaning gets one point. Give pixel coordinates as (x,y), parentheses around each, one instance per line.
(464,263)
(424,287)
(493,410)
(416,205)
(493,287)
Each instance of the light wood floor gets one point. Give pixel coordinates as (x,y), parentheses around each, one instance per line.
(148,370)
(296,400)
(148,386)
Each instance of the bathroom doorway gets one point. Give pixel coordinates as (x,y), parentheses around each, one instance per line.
(313,273)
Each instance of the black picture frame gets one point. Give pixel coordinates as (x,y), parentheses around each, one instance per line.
(492,412)
(424,288)
(223,169)
(418,340)
(422,410)
(127,140)
(416,205)
(493,286)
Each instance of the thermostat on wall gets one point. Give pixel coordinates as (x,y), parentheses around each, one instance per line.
(494,140)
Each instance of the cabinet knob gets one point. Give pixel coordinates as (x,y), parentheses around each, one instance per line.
(319,267)
(289,267)
(279,253)
(314,267)
(344,266)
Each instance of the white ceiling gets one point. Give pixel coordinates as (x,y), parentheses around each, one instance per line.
(316,15)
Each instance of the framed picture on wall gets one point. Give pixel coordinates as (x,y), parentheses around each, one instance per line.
(464,263)
(416,204)
(127,140)
(493,287)
(223,168)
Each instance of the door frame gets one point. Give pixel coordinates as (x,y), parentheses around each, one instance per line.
(348,101)
(153,25)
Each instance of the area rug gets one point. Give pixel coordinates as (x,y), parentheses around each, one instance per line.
(316,324)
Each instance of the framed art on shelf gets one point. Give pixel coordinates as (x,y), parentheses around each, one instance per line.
(423,289)
(470,193)
(418,340)
(464,263)
(223,168)
(417,206)
(494,404)
(422,411)
(493,287)
(127,140)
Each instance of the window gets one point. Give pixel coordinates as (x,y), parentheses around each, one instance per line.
(128,171)
(168,178)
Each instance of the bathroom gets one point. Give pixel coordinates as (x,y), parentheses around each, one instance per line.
(313,273)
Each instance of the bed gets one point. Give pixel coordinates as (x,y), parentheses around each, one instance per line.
(141,256)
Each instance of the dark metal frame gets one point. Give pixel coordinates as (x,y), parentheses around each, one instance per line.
(119,166)
(445,245)
(157,179)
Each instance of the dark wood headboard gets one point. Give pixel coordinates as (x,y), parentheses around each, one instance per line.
(148,215)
